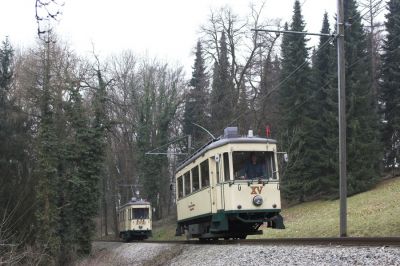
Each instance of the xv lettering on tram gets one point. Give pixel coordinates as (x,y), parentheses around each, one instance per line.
(256,190)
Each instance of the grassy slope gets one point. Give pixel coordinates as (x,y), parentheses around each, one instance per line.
(165,229)
(372,213)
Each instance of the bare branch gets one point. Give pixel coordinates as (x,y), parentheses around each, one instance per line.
(45,12)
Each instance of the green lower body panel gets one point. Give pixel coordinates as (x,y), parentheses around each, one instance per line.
(231,224)
(135,235)
(219,223)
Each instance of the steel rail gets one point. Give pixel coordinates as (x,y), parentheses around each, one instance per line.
(325,241)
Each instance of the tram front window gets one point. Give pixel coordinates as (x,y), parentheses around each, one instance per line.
(253,165)
(140,213)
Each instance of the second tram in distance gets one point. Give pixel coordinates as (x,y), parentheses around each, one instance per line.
(135,220)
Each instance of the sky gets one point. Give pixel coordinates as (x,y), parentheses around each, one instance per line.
(165,29)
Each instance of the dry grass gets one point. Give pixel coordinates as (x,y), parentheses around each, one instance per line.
(165,229)
(372,213)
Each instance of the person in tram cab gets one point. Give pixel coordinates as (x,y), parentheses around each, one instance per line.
(254,169)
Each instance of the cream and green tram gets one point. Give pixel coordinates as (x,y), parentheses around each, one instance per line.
(135,220)
(229,188)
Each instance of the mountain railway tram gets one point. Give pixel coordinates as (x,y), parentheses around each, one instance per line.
(135,220)
(229,188)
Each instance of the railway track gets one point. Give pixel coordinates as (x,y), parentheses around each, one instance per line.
(341,241)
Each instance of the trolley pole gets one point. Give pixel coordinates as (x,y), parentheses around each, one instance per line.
(342,120)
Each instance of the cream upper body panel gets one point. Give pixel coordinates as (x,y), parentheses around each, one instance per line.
(239,196)
(197,204)
(139,224)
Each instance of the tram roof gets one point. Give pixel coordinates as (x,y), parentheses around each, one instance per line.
(221,142)
(135,202)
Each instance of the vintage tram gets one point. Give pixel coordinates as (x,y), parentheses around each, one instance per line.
(135,220)
(229,188)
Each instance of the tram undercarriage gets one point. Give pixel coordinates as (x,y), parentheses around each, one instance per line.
(229,225)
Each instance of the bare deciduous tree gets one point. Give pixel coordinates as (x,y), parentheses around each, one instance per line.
(45,12)
(247,50)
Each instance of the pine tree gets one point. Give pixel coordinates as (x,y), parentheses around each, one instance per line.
(196,100)
(324,142)
(70,158)
(6,170)
(70,197)
(295,89)
(364,151)
(6,71)
(92,156)
(80,187)
(223,92)
(294,93)
(47,212)
(390,86)
(16,186)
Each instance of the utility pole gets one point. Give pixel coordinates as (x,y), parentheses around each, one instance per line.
(342,120)
(342,109)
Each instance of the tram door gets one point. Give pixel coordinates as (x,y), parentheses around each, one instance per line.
(214,182)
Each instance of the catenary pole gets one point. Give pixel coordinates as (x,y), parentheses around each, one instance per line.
(342,111)
(342,120)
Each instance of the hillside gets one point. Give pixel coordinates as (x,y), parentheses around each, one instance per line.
(372,213)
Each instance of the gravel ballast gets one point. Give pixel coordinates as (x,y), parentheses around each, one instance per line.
(286,255)
(112,253)
(176,254)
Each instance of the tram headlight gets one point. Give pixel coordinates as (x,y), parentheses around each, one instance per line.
(257,200)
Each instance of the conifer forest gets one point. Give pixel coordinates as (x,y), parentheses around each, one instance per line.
(80,135)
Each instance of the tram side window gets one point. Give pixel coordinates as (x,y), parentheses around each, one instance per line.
(180,187)
(195,178)
(205,175)
(186,177)
(226,167)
